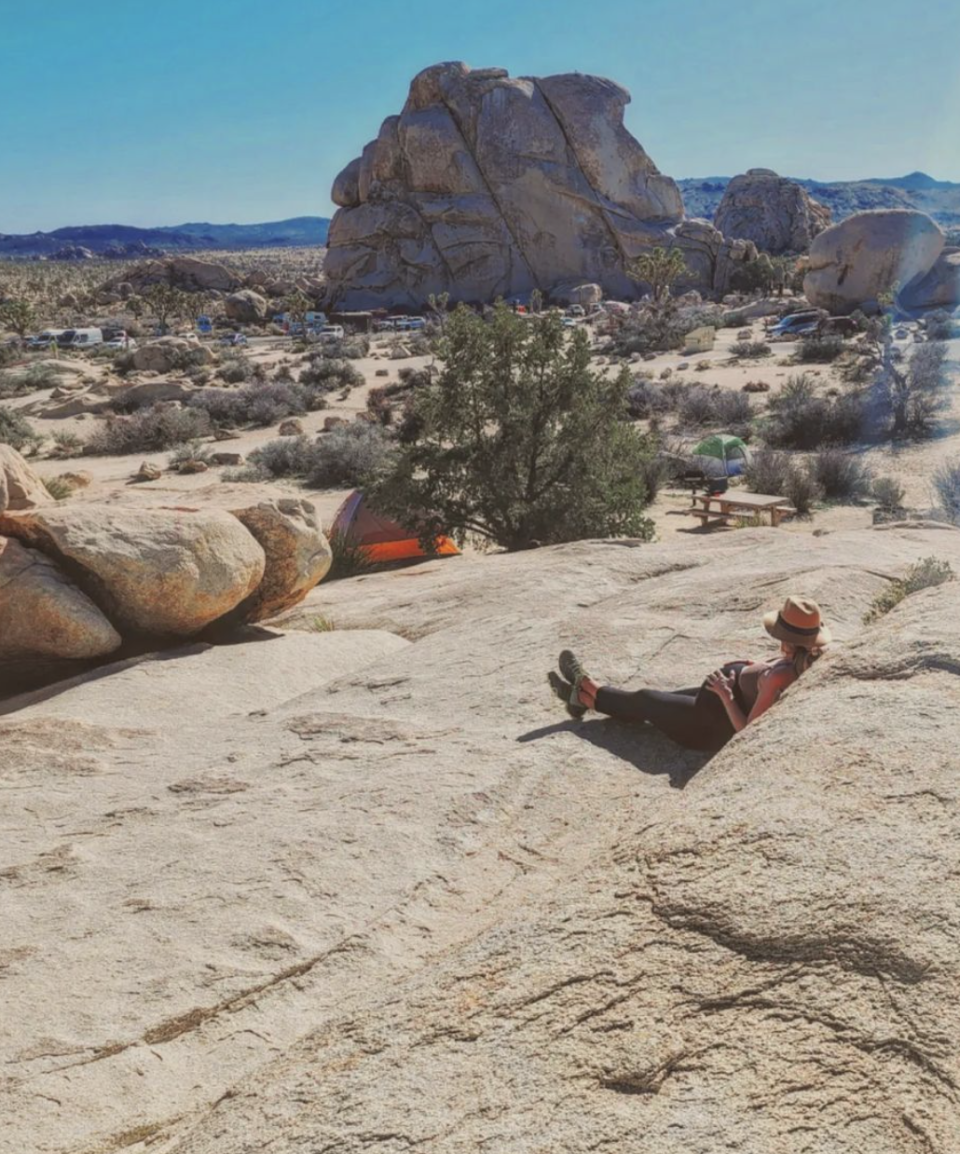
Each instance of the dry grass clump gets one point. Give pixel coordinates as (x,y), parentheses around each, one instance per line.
(925,574)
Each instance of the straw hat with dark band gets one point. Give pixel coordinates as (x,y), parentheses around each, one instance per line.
(799,622)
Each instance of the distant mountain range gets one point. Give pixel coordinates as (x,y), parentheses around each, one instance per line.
(701,196)
(939,198)
(123,240)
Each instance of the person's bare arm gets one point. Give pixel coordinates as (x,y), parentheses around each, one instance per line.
(769,687)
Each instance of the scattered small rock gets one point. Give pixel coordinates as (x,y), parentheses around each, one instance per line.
(192,466)
(226,458)
(291,428)
(148,472)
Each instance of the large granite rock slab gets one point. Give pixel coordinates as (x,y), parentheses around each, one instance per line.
(488,185)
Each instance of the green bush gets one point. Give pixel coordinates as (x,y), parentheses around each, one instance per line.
(16,431)
(147,431)
(518,441)
(925,574)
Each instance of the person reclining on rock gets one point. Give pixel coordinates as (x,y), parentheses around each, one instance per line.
(707,716)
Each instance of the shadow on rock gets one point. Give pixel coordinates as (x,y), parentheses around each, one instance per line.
(640,745)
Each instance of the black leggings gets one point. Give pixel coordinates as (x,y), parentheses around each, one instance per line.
(694,718)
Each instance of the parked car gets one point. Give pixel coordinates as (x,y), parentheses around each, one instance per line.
(576,311)
(798,324)
(234,339)
(122,342)
(80,338)
(569,323)
(45,340)
(331,333)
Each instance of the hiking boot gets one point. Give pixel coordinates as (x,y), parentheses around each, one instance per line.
(567,694)
(571,668)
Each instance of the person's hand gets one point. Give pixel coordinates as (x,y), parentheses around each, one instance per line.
(720,684)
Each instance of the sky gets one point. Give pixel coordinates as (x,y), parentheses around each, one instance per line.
(160,112)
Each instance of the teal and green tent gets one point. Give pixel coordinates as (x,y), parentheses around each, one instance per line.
(732,451)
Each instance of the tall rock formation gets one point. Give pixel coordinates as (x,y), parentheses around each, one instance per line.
(777,214)
(487,185)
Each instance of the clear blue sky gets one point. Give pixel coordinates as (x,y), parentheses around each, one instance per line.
(163,111)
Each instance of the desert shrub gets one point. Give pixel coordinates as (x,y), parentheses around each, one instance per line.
(415,378)
(656,329)
(235,369)
(380,406)
(16,431)
(344,457)
(28,380)
(907,397)
(348,348)
(66,444)
(149,430)
(779,475)
(925,574)
(820,350)
(841,476)
(646,399)
(520,441)
(941,326)
(946,482)
(888,493)
(799,418)
(59,488)
(750,349)
(656,472)
(123,363)
(733,410)
(697,407)
(419,345)
(325,375)
(254,404)
(194,450)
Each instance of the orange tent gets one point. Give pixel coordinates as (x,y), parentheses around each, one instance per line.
(381,538)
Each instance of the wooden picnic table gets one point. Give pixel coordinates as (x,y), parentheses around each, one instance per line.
(722,508)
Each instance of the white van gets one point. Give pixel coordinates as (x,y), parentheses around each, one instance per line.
(84,339)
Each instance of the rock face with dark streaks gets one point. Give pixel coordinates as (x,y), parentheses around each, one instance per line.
(488,185)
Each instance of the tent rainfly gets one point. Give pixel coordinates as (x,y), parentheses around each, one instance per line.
(381,539)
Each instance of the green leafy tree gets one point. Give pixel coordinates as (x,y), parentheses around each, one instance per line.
(660,268)
(17,315)
(517,441)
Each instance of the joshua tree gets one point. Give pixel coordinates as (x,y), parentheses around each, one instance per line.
(297,304)
(17,315)
(165,302)
(660,268)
